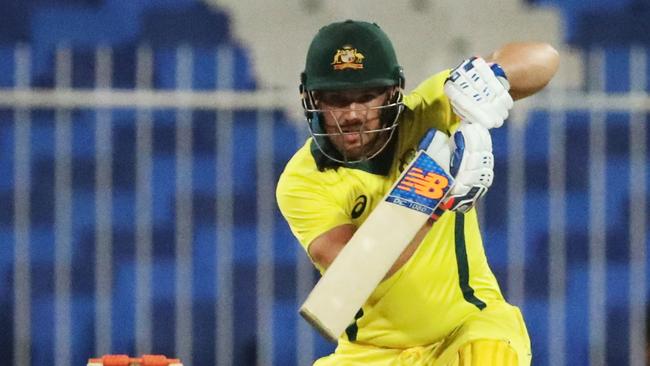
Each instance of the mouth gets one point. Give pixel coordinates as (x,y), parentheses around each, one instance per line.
(352,129)
(352,138)
(350,134)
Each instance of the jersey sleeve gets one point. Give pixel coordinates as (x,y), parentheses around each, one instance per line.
(309,208)
(428,103)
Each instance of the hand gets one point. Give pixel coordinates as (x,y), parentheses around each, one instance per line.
(467,157)
(472,166)
(479,93)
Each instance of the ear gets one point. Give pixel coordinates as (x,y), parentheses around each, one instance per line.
(305,96)
(303,81)
(400,77)
(394,93)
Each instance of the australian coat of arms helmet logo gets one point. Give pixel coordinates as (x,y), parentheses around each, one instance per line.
(348,58)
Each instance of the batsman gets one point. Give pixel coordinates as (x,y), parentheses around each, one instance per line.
(439,304)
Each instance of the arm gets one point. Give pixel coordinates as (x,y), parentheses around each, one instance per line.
(478,91)
(327,246)
(528,65)
(467,157)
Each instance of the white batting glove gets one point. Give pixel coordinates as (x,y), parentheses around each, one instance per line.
(479,93)
(472,166)
(467,157)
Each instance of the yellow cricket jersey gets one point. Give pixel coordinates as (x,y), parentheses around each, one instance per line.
(447,278)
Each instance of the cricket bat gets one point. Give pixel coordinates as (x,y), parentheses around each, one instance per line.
(364,261)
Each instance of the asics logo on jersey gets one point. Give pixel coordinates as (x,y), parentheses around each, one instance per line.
(429,185)
(348,58)
(359,206)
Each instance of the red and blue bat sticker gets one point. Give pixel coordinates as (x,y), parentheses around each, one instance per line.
(422,187)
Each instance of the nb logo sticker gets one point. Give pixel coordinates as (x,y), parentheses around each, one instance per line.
(359,206)
(422,186)
(429,185)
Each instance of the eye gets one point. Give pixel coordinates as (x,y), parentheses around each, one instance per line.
(372,94)
(333,100)
(368,97)
(337,100)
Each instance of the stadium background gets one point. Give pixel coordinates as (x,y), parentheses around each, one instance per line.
(140,142)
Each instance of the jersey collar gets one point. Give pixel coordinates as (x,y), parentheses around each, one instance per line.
(379,165)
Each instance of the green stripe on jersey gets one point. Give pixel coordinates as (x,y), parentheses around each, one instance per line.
(463,266)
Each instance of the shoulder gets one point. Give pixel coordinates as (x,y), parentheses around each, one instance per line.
(300,168)
(427,106)
(428,91)
(310,200)
(301,177)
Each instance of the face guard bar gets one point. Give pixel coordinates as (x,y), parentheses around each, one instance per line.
(372,150)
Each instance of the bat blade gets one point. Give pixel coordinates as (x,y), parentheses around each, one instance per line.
(364,261)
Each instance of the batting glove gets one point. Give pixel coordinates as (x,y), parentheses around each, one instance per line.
(479,93)
(468,158)
(472,166)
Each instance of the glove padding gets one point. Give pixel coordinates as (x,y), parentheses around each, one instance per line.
(468,158)
(472,166)
(479,93)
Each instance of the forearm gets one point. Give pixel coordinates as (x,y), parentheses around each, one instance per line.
(327,247)
(410,249)
(528,65)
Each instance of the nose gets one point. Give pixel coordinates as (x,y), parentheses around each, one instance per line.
(353,114)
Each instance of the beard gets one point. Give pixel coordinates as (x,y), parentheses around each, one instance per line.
(359,145)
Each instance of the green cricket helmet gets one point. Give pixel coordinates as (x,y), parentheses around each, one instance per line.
(351,55)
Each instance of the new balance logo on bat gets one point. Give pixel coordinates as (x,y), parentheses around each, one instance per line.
(429,184)
(422,186)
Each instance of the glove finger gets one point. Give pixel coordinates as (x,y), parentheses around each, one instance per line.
(471,115)
(503,113)
(493,117)
(499,123)
(482,177)
(473,136)
(480,82)
(502,99)
(477,137)
(462,104)
(468,81)
(479,160)
(490,79)
(467,114)
(506,102)
(485,138)
(489,114)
